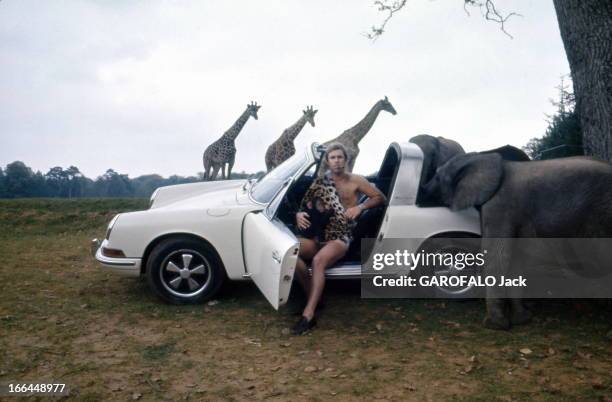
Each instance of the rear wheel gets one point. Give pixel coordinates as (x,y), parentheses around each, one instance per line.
(452,266)
(184,271)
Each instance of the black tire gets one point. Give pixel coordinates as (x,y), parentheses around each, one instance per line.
(184,271)
(452,245)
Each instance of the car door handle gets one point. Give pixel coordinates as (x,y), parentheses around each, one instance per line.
(276,256)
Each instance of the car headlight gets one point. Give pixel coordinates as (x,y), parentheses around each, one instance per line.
(110,226)
(152,199)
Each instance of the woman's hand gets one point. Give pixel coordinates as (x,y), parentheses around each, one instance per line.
(302,221)
(353,212)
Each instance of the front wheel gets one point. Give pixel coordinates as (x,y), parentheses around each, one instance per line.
(184,271)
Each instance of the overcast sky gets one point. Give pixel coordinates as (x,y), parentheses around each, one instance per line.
(145,86)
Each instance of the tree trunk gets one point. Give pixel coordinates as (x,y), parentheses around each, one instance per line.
(586,31)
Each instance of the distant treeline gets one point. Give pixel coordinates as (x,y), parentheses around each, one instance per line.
(17,180)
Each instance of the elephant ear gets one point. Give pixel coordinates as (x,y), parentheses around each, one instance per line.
(473,179)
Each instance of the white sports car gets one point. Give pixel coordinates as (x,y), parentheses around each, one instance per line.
(195,236)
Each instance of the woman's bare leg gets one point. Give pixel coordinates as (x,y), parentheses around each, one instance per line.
(326,257)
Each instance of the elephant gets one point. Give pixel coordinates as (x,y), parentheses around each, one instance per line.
(439,150)
(436,152)
(557,198)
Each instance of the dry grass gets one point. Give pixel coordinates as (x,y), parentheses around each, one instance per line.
(63,318)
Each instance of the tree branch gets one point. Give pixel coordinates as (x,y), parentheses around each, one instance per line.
(390,8)
(487,8)
(492,14)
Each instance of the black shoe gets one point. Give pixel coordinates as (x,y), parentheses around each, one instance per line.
(297,311)
(303,325)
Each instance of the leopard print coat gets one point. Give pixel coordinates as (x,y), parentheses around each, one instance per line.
(338,227)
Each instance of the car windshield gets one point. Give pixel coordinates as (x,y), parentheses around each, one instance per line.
(266,188)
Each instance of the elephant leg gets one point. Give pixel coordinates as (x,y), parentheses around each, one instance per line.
(496,317)
(498,258)
(518,312)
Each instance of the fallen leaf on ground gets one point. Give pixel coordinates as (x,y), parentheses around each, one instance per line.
(253,342)
(543,380)
(585,355)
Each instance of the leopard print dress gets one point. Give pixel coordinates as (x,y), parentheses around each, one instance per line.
(338,227)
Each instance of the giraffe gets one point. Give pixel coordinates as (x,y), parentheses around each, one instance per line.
(223,150)
(351,137)
(283,147)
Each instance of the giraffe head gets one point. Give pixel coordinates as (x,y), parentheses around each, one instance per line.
(309,113)
(252,108)
(387,106)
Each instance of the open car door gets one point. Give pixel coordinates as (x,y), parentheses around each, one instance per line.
(270,255)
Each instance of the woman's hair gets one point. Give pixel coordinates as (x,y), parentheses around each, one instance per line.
(334,146)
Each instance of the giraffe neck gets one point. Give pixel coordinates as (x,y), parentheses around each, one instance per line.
(291,132)
(357,132)
(234,130)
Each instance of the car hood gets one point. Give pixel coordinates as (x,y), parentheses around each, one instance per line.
(207,194)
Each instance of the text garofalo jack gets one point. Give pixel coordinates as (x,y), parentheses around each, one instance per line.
(437,270)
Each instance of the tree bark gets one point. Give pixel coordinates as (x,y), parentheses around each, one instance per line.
(586,31)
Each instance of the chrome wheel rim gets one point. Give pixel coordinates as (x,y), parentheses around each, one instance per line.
(185,273)
(449,270)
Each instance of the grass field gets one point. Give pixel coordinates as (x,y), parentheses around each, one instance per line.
(63,318)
